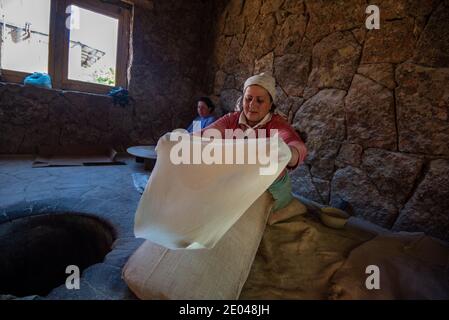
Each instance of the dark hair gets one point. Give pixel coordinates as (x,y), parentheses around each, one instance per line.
(208,102)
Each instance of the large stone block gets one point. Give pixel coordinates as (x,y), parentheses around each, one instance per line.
(11,138)
(228,99)
(354,186)
(323,188)
(20,110)
(219,81)
(294,6)
(302,184)
(335,60)
(370,114)
(288,105)
(323,159)
(322,119)
(382,73)
(327,16)
(270,6)
(264,64)
(399,9)
(422,100)
(428,209)
(251,11)
(292,70)
(291,34)
(221,50)
(433,46)
(394,42)
(260,40)
(234,26)
(46,134)
(43,95)
(393,173)
(350,154)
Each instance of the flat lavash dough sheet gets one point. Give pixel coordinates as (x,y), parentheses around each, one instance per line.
(191,206)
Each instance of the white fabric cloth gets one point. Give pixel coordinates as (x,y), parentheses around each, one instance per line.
(191,206)
(264,80)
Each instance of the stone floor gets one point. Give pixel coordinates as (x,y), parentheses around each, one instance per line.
(107,192)
(104,191)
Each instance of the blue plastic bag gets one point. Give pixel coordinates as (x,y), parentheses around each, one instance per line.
(38,79)
(120,96)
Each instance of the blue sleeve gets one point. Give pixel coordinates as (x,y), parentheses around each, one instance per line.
(209,121)
(190,128)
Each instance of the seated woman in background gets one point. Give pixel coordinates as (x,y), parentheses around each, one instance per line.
(205,107)
(258,112)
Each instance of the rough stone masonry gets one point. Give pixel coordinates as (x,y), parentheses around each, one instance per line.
(373,104)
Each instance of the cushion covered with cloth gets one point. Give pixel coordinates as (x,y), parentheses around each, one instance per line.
(156,272)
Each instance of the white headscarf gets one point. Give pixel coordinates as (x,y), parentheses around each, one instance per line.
(263,80)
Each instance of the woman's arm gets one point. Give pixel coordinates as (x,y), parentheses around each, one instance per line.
(294,161)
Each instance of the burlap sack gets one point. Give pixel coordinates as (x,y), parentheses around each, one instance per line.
(155,272)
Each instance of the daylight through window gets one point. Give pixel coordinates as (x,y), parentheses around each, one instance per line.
(82,44)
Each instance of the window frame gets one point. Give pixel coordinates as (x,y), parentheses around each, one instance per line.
(58,54)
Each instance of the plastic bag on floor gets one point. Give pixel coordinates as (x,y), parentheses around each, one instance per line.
(140,181)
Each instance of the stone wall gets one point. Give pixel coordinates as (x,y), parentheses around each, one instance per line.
(166,73)
(373,104)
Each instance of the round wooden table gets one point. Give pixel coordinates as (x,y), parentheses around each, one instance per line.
(145,154)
